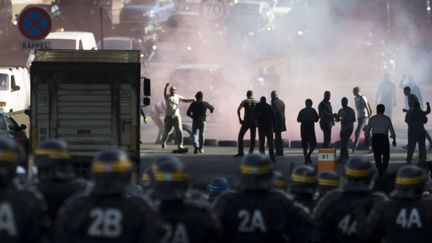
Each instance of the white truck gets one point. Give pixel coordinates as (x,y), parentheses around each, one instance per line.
(91,99)
(14,89)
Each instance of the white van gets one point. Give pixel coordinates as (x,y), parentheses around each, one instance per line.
(67,40)
(14,89)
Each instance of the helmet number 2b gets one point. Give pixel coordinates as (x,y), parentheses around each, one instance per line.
(251,221)
(106,223)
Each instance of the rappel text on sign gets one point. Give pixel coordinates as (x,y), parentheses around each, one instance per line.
(36,45)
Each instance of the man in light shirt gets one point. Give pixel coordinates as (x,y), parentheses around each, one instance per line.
(172,115)
(380,125)
(363,113)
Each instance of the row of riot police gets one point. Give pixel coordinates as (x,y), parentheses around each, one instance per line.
(107,208)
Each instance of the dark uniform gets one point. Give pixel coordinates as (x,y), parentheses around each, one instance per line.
(56,175)
(416,118)
(184,220)
(23,215)
(326,119)
(279,113)
(341,215)
(265,120)
(407,217)
(307,117)
(106,212)
(257,213)
(248,123)
(303,186)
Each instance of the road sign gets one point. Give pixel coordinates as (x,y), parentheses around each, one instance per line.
(327,160)
(34,23)
(213,10)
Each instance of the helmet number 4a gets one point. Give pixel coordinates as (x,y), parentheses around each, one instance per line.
(106,223)
(348,226)
(407,219)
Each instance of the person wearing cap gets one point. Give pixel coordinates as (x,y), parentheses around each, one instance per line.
(407,217)
(256,212)
(216,187)
(341,215)
(172,115)
(380,125)
(278,107)
(327,181)
(107,212)
(56,175)
(303,186)
(184,219)
(197,111)
(23,215)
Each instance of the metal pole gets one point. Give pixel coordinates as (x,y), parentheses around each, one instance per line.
(101,27)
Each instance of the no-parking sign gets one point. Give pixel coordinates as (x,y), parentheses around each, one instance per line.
(213,10)
(34,24)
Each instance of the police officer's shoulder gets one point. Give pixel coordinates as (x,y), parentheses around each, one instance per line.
(142,202)
(327,201)
(80,182)
(195,204)
(379,197)
(225,199)
(30,194)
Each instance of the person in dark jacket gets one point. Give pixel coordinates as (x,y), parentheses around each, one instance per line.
(326,118)
(279,113)
(265,120)
(247,123)
(307,117)
(416,118)
(197,111)
(346,116)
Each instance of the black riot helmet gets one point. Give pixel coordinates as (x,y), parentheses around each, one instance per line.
(410,182)
(280,181)
(111,166)
(11,155)
(217,186)
(256,172)
(170,178)
(303,180)
(53,160)
(327,181)
(358,175)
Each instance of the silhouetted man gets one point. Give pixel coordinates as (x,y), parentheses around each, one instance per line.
(279,126)
(326,118)
(307,117)
(172,115)
(265,120)
(363,113)
(197,111)
(380,125)
(414,89)
(346,116)
(416,118)
(248,122)
(386,94)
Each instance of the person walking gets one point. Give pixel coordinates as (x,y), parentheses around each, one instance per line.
(416,118)
(278,107)
(197,111)
(380,125)
(386,94)
(364,111)
(307,117)
(247,123)
(172,115)
(326,118)
(346,116)
(265,120)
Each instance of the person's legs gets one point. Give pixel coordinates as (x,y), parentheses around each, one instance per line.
(269,135)
(179,131)
(313,145)
(327,136)
(195,134)
(252,137)
(242,132)
(305,143)
(411,145)
(428,137)
(386,153)
(360,125)
(344,135)
(159,123)
(377,152)
(168,126)
(422,146)
(201,135)
(261,140)
(278,143)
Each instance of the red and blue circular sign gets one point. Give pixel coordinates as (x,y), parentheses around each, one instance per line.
(34,23)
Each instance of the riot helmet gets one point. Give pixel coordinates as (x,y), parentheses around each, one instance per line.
(410,182)
(170,178)
(358,175)
(217,186)
(256,172)
(53,160)
(11,155)
(327,181)
(303,180)
(280,181)
(111,166)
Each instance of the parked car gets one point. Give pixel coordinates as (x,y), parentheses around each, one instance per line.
(10,128)
(14,89)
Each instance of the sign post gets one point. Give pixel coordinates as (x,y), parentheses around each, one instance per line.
(327,160)
(213,10)
(34,24)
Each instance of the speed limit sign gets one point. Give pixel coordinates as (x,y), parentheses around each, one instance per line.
(213,10)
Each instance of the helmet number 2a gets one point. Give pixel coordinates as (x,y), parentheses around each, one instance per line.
(348,226)
(251,221)
(407,219)
(106,223)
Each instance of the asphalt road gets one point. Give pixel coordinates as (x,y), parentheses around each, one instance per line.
(219,161)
